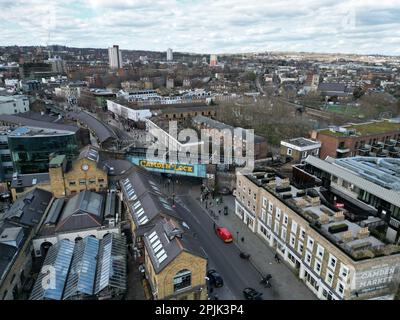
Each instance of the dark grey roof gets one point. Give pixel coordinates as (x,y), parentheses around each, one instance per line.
(82,211)
(29,180)
(111,199)
(166,240)
(7,254)
(29,209)
(102,132)
(210,123)
(23,121)
(55,211)
(90,153)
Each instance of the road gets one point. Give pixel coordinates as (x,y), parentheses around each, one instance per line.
(236,272)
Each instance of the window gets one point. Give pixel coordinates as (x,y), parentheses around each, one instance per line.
(283,234)
(340,288)
(72,183)
(310,243)
(292,240)
(302,233)
(308,258)
(289,152)
(278,214)
(285,219)
(248,204)
(182,280)
(300,247)
(263,215)
(332,262)
(254,208)
(317,267)
(270,207)
(269,220)
(263,230)
(294,227)
(320,251)
(249,191)
(240,183)
(101,180)
(92,181)
(329,278)
(265,201)
(254,196)
(82,182)
(344,271)
(276,227)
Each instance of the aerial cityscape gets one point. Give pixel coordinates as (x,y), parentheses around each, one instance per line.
(250,159)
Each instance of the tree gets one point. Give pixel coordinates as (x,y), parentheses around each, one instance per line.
(358,93)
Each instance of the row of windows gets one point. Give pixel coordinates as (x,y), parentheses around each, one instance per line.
(84,182)
(298,233)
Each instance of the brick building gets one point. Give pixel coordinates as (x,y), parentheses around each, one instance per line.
(375,138)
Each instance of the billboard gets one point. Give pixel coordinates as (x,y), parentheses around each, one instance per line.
(194,170)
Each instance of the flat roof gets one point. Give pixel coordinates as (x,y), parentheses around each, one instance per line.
(57,160)
(365,129)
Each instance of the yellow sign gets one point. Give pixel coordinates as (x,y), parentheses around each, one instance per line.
(166,166)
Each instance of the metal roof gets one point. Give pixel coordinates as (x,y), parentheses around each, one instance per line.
(58,257)
(111,267)
(329,165)
(84,262)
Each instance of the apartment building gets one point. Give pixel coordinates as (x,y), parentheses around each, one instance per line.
(336,257)
(375,138)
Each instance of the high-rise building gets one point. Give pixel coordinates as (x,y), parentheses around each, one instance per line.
(115,57)
(170,56)
(213,60)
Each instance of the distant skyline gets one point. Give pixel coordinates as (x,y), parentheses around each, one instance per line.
(207,26)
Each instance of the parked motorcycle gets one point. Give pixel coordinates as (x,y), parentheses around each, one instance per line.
(244,255)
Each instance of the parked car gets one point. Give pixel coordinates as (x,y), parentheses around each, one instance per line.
(215,278)
(252,294)
(224,234)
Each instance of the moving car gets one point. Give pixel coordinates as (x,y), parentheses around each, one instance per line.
(252,294)
(215,278)
(224,234)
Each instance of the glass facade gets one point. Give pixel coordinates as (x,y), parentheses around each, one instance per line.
(30,154)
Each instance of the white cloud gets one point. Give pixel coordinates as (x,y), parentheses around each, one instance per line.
(360,26)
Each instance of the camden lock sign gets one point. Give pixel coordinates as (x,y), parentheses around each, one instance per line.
(377,278)
(166,166)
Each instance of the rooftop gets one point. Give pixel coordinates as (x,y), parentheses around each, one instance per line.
(363,129)
(311,205)
(35,131)
(57,161)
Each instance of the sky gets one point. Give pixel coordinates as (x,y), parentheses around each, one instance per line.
(206,26)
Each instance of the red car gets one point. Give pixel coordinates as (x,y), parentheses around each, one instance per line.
(224,234)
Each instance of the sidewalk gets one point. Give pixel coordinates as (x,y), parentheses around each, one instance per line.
(288,285)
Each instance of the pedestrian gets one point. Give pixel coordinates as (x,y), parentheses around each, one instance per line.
(242,239)
(219,212)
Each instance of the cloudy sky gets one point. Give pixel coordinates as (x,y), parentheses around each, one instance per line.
(206,26)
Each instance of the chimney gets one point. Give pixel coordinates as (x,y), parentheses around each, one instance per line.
(347,236)
(324,218)
(363,233)
(339,216)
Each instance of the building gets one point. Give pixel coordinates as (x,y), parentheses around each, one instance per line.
(376,138)
(23,183)
(14,104)
(57,64)
(372,184)
(213,60)
(170,83)
(75,218)
(6,165)
(31,147)
(169,55)
(115,57)
(174,262)
(239,139)
(336,255)
(89,268)
(19,224)
(298,149)
(332,91)
(84,173)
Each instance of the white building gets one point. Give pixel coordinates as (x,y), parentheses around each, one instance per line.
(115,57)
(13,104)
(213,60)
(170,56)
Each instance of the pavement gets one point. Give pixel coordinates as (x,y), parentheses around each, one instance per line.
(236,272)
